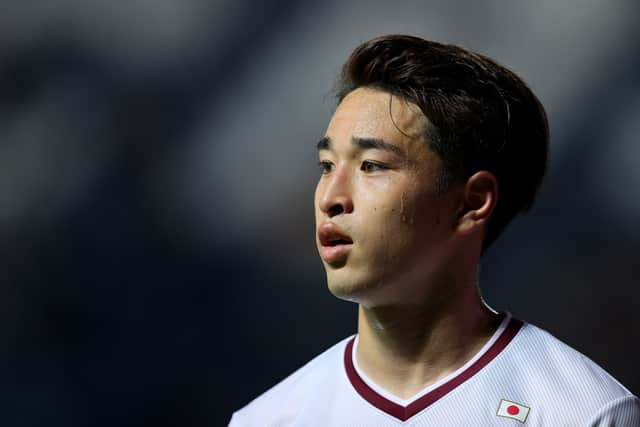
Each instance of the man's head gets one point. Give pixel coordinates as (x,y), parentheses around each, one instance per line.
(423,138)
(481,115)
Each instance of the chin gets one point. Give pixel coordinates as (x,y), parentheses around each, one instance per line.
(358,291)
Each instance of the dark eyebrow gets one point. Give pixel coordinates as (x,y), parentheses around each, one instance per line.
(375,144)
(324,144)
(362,143)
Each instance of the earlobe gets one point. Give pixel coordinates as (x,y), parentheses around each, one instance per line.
(480,196)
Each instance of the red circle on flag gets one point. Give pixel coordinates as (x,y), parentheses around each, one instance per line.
(513,410)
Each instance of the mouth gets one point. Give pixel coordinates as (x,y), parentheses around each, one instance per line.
(334,244)
(330,235)
(332,241)
(338,242)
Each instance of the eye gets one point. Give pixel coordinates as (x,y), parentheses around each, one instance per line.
(326,166)
(369,166)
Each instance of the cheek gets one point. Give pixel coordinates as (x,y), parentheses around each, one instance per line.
(388,203)
(388,227)
(316,193)
(410,220)
(316,200)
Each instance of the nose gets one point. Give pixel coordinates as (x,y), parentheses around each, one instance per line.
(334,194)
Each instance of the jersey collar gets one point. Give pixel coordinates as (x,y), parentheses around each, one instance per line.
(406,409)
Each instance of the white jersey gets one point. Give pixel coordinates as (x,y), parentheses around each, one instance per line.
(521,376)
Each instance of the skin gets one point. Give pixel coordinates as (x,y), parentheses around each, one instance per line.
(412,265)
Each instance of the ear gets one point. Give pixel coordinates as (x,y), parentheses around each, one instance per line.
(479,198)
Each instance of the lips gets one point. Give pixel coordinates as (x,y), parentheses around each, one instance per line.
(330,235)
(335,244)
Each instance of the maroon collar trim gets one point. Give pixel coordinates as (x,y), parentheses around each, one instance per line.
(403,413)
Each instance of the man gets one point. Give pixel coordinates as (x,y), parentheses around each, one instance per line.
(430,153)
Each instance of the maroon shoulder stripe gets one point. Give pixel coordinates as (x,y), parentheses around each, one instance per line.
(403,413)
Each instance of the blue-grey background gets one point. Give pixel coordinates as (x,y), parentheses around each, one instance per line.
(157,167)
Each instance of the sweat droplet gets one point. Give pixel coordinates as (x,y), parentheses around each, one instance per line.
(403,217)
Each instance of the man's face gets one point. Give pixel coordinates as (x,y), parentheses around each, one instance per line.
(383,229)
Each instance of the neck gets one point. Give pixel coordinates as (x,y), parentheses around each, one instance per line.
(404,349)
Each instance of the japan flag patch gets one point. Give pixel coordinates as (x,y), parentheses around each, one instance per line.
(513,410)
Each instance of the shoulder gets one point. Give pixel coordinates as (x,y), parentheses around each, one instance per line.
(559,377)
(624,411)
(563,365)
(280,403)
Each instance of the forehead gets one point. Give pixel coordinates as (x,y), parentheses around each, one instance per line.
(368,112)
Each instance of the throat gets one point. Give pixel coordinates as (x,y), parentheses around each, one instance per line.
(405,359)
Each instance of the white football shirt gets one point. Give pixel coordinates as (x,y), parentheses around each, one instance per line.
(521,376)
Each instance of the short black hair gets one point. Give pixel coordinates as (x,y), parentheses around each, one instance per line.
(481,115)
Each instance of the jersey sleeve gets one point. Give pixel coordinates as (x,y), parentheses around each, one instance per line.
(622,412)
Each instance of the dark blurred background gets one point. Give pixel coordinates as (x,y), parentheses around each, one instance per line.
(157,167)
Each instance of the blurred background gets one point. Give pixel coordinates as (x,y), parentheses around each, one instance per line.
(157,168)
